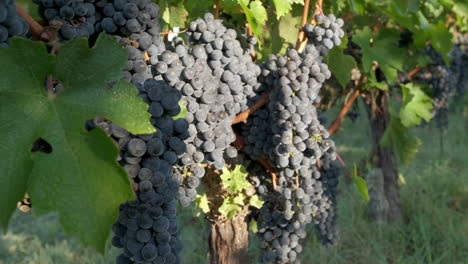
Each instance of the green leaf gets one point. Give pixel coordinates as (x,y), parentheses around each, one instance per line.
(461,9)
(229,208)
(202,203)
(340,65)
(256,15)
(174,14)
(239,199)
(253,226)
(198,8)
(360,184)
(383,50)
(287,28)
(400,15)
(282,7)
(235,180)
(405,6)
(417,106)
(256,201)
(183,110)
(358,6)
(441,40)
(373,83)
(23,58)
(80,178)
(405,144)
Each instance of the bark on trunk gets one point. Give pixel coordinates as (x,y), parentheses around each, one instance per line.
(384,157)
(229,240)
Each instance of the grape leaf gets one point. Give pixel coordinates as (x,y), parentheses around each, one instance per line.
(417,106)
(405,6)
(202,203)
(253,226)
(358,6)
(288,29)
(384,51)
(340,65)
(398,136)
(441,39)
(256,15)
(256,201)
(229,208)
(174,14)
(80,178)
(282,7)
(183,110)
(235,180)
(198,8)
(360,184)
(239,199)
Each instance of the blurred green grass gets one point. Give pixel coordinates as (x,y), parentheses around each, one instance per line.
(434,200)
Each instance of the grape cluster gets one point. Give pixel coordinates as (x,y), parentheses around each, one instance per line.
(443,80)
(124,17)
(326,34)
(11,24)
(147,228)
(325,220)
(77,17)
(460,63)
(217,77)
(287,132)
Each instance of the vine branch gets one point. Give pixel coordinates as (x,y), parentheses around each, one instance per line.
(414,72)
(267,166)
(35,28)
(344,110)
(242,117)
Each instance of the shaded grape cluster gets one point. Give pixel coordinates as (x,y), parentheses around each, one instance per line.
(444,80)
(11,24)
(325,220)
(77,18)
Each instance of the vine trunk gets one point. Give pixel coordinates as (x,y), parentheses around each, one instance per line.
(229,240)
(383,158)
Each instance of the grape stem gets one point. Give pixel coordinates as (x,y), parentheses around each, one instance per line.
(301,38)
(267,166)
(216,9)
(318,9)
(35,28)
(172,32)
(242,117)
(341,160)
(250,33)
(414,72)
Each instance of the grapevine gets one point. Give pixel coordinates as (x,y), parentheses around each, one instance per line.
(237,129)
